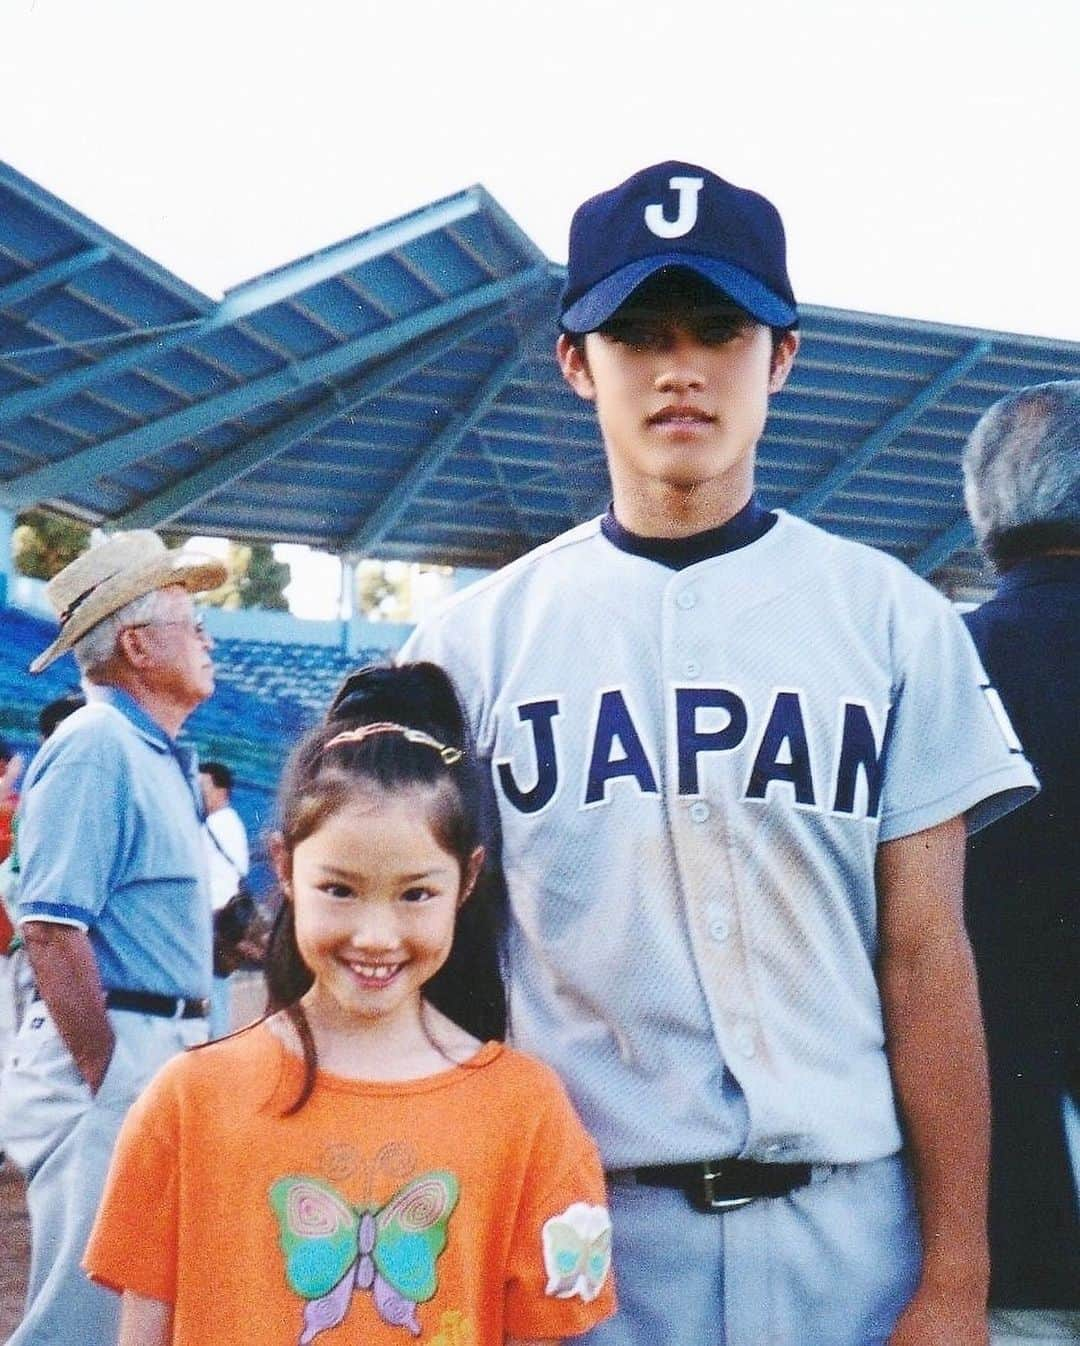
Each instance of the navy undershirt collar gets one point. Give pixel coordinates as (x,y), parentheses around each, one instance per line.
(1039,570)
(751,522)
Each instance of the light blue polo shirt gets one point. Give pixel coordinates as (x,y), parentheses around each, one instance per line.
(109,841)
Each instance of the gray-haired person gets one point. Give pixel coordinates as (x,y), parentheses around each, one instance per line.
(112,903)
(1022,485)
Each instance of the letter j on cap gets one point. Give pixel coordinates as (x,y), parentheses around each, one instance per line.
(658,223)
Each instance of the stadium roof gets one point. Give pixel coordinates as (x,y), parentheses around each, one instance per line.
(396,395)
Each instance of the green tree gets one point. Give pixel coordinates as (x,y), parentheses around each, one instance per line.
(43,543)
(255,580)
(383,590)
(265,579)
(388,591)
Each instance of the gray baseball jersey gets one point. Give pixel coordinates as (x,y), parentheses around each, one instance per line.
(693,772)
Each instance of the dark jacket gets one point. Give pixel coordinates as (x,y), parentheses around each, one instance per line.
(1022,905)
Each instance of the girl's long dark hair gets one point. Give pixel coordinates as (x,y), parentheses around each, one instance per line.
(320,779)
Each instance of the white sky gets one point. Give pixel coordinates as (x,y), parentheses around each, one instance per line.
(923,154)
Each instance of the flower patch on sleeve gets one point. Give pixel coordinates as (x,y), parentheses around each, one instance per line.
(577,1251)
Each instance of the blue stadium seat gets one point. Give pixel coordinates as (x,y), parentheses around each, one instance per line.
(267,694)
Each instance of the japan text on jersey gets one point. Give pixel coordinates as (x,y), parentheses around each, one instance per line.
(775,748)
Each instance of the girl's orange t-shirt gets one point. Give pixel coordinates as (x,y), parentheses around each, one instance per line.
(459,1209)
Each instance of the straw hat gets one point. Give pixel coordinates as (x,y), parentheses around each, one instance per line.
(102,580)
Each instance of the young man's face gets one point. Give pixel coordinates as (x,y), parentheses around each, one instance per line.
(681,380)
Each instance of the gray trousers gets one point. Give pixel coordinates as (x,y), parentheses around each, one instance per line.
(1034,1327)
(832,1264)
(62,1139)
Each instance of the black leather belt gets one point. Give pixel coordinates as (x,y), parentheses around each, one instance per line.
(164,1006)
(148,1002)
(719,1184)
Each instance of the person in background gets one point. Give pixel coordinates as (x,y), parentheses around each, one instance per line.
(55,712)
(112,902)
(15,980)
(1022,488)
(227,861)
(11,765)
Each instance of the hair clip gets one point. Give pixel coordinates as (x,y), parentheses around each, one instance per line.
(448,754)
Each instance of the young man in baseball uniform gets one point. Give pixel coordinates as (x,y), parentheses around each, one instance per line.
(734,760)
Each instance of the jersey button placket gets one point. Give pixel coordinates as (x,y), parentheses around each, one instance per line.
(699,834)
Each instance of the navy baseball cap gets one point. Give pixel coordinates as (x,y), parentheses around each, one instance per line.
(676,215)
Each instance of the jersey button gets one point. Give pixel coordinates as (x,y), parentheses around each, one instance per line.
(692,668)
(744,1040)
(686,599)
(719,926)
(699,811)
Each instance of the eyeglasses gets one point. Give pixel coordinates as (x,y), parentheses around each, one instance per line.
(196,625)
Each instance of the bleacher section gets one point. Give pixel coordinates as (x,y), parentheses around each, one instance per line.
(303,675)
(267,694)
(22,637)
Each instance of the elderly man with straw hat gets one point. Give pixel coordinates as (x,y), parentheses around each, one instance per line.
(112,902)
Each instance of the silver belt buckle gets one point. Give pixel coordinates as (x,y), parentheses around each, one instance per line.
(708,1177)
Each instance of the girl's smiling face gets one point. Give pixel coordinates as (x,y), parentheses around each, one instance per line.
(375,901)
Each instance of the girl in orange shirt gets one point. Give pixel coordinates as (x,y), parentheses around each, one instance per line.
(367,1162)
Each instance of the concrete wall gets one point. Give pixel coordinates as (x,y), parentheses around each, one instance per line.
(254,624)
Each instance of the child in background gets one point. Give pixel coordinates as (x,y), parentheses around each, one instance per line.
(361,1165)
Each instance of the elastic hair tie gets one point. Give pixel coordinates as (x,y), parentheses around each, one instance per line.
(449,755)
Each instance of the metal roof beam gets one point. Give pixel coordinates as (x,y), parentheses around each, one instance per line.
(504,495)
(246,300)
(431,458)
(294,279)
(53,479)
(49,277)
(955,538)
(809,503)
(174,500)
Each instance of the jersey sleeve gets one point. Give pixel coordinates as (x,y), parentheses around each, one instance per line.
(559,1281)
(427,641)
(950,748)
(133,1245)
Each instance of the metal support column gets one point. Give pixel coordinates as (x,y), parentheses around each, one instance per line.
(347,603)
